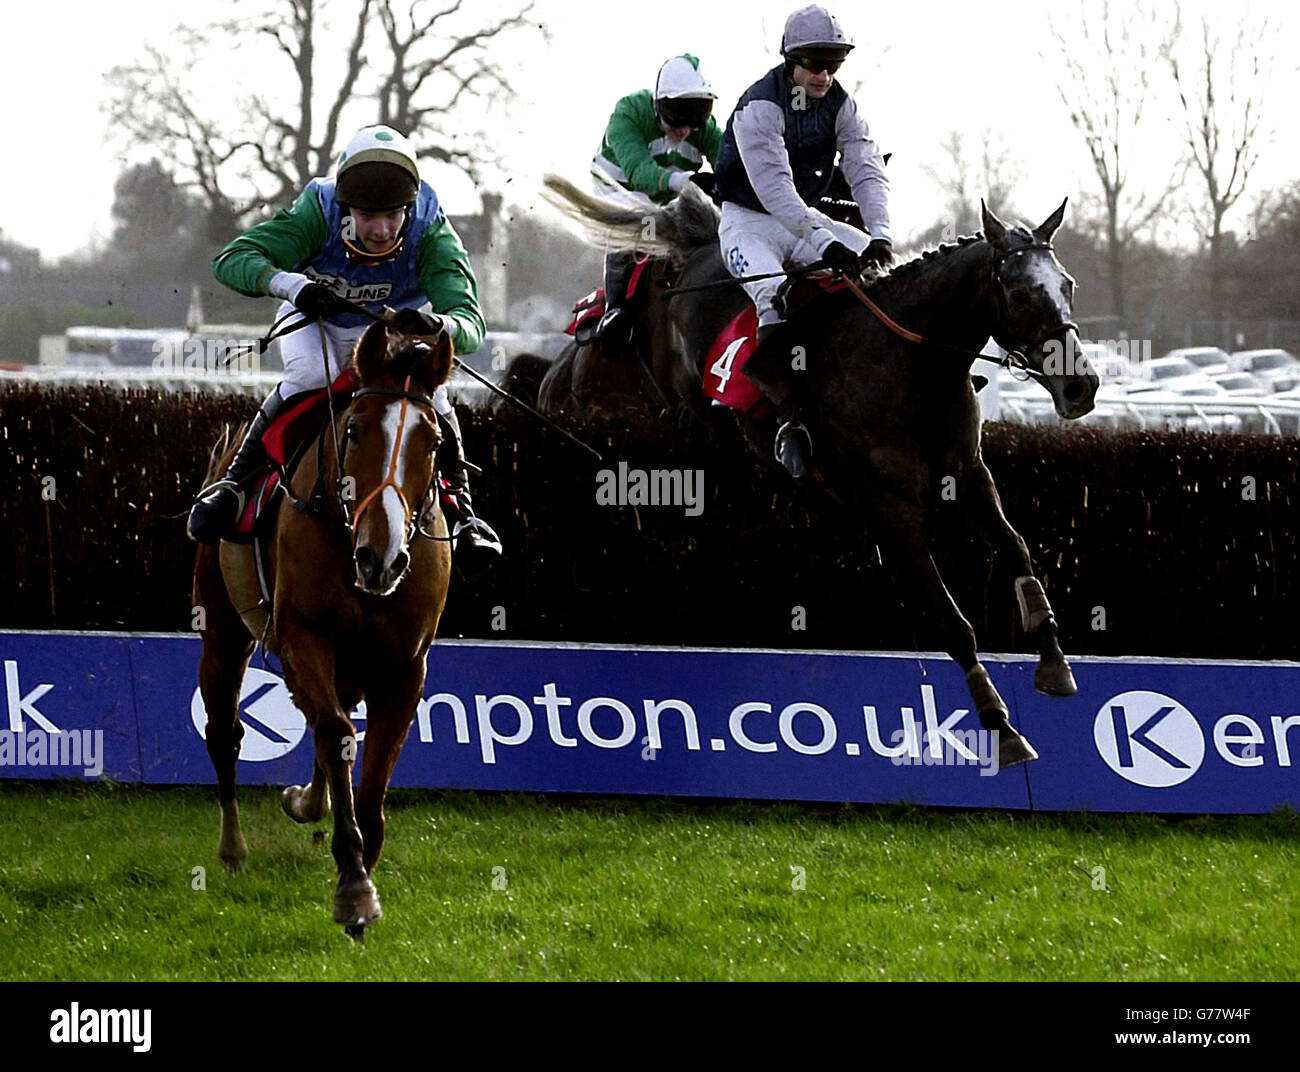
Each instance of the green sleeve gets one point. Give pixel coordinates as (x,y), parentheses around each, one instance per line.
(447,280)
(711,141)
(629,143)
(281,243)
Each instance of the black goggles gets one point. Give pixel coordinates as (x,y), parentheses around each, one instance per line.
(686,111)
(817,64)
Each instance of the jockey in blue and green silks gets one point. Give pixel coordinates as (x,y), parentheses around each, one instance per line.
(375,235)
(655,143)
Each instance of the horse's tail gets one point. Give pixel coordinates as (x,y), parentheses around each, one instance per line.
(686,223)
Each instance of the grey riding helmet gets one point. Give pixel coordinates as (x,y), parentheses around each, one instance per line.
(813,32)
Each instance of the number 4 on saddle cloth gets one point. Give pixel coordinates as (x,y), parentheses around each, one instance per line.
(731,350)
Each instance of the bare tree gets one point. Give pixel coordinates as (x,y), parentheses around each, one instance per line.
(963,178)
(435,61)
(263,158)
(1220,83)
(1104,83)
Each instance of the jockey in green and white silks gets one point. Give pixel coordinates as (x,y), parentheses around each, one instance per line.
(776,163)
(655,142)
(375,235)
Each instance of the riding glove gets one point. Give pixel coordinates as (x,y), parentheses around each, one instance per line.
(878,254)
(704,180)
(838,256)
(316,299)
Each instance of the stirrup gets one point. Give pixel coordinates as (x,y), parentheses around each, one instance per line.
(802,454)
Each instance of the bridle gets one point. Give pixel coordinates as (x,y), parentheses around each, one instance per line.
(416,520)
(1015,359)
(1004,313)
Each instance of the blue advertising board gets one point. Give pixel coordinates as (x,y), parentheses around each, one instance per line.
(1140,735)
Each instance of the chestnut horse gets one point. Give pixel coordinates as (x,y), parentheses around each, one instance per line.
(357,592)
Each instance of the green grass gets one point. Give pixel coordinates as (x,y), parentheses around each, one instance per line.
(96,884)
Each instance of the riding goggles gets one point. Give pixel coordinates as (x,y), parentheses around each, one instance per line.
(817,64)
(684,111)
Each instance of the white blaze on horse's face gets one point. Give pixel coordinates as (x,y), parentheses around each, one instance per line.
(409,439)
(394,508)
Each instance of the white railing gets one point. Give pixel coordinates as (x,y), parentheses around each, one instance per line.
(498,349)
(1153,409)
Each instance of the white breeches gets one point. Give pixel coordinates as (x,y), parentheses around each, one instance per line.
(755,243)
(305,371)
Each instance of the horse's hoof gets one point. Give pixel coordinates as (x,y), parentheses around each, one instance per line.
(1055,679)
(355,931)
(357,904)
(233,856)
(1013,750)
(294,800)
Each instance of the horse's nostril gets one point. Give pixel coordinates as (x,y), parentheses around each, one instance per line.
(367,563)
(1074,391)
(400,561)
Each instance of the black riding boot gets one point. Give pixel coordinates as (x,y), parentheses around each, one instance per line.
(475,543)
(770,370)
(216,511)
(614,324)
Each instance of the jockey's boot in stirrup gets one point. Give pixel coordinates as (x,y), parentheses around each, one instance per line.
(615,324)
(770,370)
(216,511)
(475,543)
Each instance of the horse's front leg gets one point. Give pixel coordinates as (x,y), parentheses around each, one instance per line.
(901,527)
(980,498)
(390,709)
(309,671)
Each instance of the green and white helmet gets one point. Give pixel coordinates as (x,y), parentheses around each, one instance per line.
(683,96)
(377,171)
(814,31)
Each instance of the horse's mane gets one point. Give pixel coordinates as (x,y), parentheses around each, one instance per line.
(906,274)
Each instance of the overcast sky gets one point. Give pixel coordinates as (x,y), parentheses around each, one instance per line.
(924,67)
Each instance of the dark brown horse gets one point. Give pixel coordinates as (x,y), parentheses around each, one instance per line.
(894,422)
(356,597)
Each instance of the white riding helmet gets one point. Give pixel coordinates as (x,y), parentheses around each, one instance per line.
(683,96)
(814,28)
(377,171)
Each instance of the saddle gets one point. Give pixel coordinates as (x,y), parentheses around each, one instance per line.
(735,345)
(588,310)
(283,443)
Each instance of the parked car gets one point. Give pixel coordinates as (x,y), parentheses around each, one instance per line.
(1279,369)
(1240,384)
(1170,373)
(1208,359)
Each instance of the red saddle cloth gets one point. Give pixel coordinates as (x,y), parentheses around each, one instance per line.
(592,307)
(304,414)
(731,350)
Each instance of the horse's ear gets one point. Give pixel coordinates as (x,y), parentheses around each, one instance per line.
(994,229)
(1044,231)
(371,352)
(433,369)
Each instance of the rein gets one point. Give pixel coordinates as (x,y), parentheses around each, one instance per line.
(1014,360)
